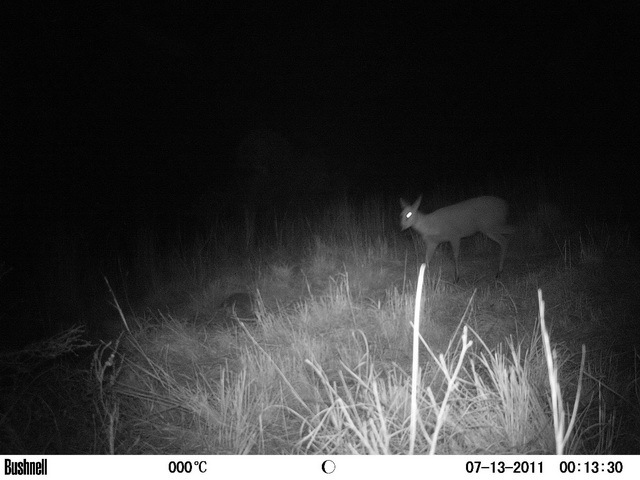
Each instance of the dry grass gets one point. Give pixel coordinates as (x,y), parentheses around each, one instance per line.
(329,362)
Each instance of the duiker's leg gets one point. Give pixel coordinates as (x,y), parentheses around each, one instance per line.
(455,245)
(503,242)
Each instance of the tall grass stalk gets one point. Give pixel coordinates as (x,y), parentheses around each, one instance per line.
(562,433)
(415,369)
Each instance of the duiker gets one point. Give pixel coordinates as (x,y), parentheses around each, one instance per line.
(449,224)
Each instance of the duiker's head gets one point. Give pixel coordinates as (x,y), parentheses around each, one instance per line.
(408,215)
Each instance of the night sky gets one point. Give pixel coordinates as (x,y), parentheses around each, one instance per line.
(145,106)
(158,95)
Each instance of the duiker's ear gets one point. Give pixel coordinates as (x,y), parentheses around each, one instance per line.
(403,204)
(417,203)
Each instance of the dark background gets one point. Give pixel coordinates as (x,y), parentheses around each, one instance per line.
(153,98)
(118,113)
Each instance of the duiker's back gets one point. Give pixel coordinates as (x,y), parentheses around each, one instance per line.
(480,214)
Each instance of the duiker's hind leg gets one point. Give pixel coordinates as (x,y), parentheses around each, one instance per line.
(503,242)
(455,246)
